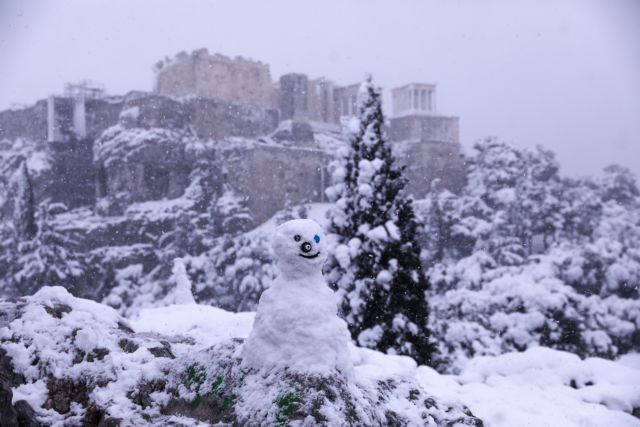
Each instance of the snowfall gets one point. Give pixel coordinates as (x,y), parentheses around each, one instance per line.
(538,387)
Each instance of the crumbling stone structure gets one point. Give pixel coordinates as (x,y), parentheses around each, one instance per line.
(213,97)
(271,176)
(426,142)
(203,75)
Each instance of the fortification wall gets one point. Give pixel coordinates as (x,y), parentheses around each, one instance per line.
(425,128)
(428,145)
(427,161)
(270,176)
(294,97)
(321,101)
(235,80)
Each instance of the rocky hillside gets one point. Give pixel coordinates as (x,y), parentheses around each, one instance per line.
(70,361)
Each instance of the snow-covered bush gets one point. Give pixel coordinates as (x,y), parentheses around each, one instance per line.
(525,257)
(233,274)
(481,309)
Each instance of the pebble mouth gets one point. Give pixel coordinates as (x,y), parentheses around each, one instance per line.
(310,256)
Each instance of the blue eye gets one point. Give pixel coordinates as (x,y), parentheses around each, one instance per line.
(316,238)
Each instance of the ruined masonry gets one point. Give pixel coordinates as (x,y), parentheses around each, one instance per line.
(283,133)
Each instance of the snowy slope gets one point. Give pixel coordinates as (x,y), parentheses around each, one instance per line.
(73,359)
(539,387)
(77,362)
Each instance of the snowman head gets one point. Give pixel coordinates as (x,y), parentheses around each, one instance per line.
(299,247)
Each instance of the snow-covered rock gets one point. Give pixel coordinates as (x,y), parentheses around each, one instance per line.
(70,361)
(74,361)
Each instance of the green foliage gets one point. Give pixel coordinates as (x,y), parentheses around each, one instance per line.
(218,386)
(228,402)
(194,376)
(286,404)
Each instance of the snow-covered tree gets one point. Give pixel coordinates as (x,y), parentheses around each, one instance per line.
(376,265)
(539,198)
(184,239)
(619,184)
(205,178)
(8,249)
(289,212)
(490,310)
(492,292)
(233,274)
(230,214)
(24,207)
(49,259)
(581,209)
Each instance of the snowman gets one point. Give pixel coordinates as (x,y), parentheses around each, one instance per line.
(296,325)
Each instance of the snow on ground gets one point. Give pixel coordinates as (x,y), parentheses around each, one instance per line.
(538,387)
(542,387)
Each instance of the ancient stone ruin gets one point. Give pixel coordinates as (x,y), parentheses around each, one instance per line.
(281,135)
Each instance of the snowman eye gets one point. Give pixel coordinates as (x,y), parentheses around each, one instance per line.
(316,238)
(297,237)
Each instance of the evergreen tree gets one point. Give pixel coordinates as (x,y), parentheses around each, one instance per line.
(288,212)
(46,260)
(184,239)
(24,210)
(8,248)
(376,265)
(619,184)
(539,195)
(581,209)
(234,273)
(230,213)
(495,173)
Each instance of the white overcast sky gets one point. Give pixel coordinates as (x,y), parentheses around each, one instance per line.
(563,74)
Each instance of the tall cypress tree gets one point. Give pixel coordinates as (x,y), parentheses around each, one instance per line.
(24,209)
(376,265)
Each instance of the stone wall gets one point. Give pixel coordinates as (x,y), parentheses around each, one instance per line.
(294,97)
(345,101)
(200,74)
(429,147)
(427,161)
(322,101)
(269,176)
(425,128)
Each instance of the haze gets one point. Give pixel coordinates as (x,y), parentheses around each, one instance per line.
(565,75)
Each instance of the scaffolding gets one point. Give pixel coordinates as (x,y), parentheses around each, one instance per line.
(84,89)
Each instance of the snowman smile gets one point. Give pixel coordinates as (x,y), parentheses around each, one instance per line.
(310,256)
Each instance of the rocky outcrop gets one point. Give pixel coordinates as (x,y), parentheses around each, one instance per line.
(70,361)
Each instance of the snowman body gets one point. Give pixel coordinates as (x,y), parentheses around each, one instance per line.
(296,325)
